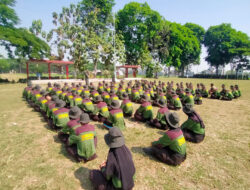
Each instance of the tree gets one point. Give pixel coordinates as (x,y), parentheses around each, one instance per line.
(18,41)
(8,16)
(224,44)
(199,31)
(139,26)
(184,47)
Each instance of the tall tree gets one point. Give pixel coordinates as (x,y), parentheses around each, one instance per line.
(8,16)
(184,47)
(139,26)
(198,30)
(224,44)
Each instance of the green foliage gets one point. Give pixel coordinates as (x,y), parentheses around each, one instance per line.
(25,44)
(225,44)
(139,26)
(199,31)
(8,16)
(184,47)
(36,27)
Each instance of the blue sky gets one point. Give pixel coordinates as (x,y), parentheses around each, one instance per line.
(203,12)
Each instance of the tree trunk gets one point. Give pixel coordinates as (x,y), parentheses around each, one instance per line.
(95,68)
(168,71)
(182,71)
(217,70)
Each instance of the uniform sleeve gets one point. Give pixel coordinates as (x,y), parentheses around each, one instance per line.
(163,141)
(140,110)
(73,139)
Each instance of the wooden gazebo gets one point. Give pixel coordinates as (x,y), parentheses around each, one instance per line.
(49,63)
(126,67)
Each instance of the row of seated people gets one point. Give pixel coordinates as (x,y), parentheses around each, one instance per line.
(80,136)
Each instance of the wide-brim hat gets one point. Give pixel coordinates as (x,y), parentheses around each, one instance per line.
(84,118)
(84,96)
(115,138)
(42,92)
(98,98)
(124,95)
(173,119)
(60,104)
(144,97)
(162,103)
(115,104)
(75,112)
(187,90)
(188,108)
(37,87)
(54,98)
(173,92)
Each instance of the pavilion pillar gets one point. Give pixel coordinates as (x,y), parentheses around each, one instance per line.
(126,73)
(27,70)
(67,71)
(49,71)
(134,73)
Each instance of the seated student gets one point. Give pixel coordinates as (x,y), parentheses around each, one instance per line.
(129,90)
(198,98)
(194,128)
(214,94)
(87,105)
(94,94)
(106,97)
(82,144)
(126,105)
(225,94)
(49,87)
(74,115)
(236,87)
(120,91)
(101,109)
(37,103)
(135,97)
(116,117)
(118,171)
(234,92)
(60,115)
(160,120)
(42,102)
(174,102)
(204,92)
(144,112)
(26,90)
(100,88)
(188,98)
(171,147)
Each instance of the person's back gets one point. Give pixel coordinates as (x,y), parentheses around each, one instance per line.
(126,105)
(60,115)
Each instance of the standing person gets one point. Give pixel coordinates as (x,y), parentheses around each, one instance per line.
(118,171)
(82,144)
(171,147)
(144,112)
(160,120)
(126,105)
(194,128)
(116,117)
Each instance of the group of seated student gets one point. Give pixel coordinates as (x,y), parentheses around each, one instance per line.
(70,108)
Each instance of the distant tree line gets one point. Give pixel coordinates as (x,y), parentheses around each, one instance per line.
(88,33)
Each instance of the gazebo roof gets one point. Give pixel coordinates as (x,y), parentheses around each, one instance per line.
(129,66)
(57,62)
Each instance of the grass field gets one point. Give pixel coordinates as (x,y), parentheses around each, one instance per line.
(31,156)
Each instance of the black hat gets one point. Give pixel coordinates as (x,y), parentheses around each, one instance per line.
(75,112)
(115,104)
(144,97)
(173,119)
(187,90)
(173,92)
(29,84)
(188,108)
(124,95)
(98,98)
(54,98)
(42,92)
(84,96)
(115,138)
(84,118)
(162,103)
(37,87)
(60,104)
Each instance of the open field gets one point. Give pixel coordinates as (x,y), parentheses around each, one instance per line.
(31,156)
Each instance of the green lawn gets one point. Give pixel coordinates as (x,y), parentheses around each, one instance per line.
(31,156)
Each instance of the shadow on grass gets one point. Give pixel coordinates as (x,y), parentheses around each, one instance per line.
(139,150)
(64,152)
(82,174)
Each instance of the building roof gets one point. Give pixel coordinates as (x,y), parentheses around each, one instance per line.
(128,66)
(56,62)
